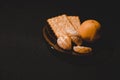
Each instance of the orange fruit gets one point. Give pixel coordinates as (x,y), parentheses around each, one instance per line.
(88,29)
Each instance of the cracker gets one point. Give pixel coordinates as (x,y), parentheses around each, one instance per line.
(61,26)
(75,21)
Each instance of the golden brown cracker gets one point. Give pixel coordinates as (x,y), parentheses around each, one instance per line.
(61,26)
(75,21)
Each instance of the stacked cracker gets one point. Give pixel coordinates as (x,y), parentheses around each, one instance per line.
(61,25)
(66,29)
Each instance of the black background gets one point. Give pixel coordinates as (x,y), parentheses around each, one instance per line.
(23,52)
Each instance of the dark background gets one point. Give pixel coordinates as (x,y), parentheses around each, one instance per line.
(23,52)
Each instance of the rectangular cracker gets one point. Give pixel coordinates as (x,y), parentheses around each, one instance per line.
(75,21)
(61,26)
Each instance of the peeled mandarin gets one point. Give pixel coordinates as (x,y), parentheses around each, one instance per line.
(64,42)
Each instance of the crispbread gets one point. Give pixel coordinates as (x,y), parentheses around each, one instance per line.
(56,25)
(61,26)
(75,21)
